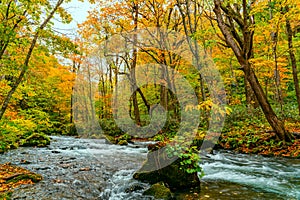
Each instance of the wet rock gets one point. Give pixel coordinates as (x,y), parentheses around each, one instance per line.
(172,175)
(25,162)
(65,166)
(123,139)
(42,168)
(81,147)
(159,191)
(109,139)
(77,183)
(85,169)
(134,187)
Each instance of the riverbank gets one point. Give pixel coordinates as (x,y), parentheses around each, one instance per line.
(12,176)
(247,131)
(259,142)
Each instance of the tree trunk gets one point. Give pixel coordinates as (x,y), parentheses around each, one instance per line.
(274,36)
(91,94)
(134,63)
(190,20)
(164,90)
(293,61)
(136,109)
(270,115)
(242,49)
(116,71)
(250,96)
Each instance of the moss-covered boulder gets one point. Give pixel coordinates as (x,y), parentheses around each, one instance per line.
(36,139)
(172,175)
(124,139)
(122,142)
(159,191)
(12,176)
(109,139)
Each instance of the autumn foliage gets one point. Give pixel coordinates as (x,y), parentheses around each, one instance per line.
(254,45)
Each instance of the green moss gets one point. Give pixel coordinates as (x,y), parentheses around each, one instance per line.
(36,139)
(122,142)
(33,177)
(159,191)
(6,195)
(110,139)
(173,174)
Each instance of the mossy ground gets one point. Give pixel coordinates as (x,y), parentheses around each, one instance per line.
(248,132)
(12,176)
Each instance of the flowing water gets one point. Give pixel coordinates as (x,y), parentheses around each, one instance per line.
(272,178)
(92,169)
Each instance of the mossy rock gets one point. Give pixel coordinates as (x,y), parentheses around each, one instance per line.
(173,175)
(33,177)
(36,139)
(123,139)
(159,191)
(110,139)
(122,142)
(6,195)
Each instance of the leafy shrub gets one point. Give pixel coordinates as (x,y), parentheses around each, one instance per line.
(188,156)
(15,132)
(110,127)
(38,117)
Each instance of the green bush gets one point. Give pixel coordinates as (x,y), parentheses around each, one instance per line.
(110,127)
(22,132)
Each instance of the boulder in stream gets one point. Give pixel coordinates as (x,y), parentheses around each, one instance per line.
(159,191)
(36,139)
(172,175)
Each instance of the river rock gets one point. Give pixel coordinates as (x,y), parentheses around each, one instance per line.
(122,142)
(134,187)
(171,175)
(159,191)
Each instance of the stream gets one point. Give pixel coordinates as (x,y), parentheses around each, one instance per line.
(93,169)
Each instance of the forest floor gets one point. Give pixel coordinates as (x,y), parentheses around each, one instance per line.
(256,140)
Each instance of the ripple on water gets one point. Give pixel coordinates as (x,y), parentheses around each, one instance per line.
(272,175)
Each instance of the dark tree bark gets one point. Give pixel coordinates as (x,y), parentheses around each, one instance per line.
(74,70)
(293,59)
(250,96)
(274,36)
(134,63)
(242,48)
